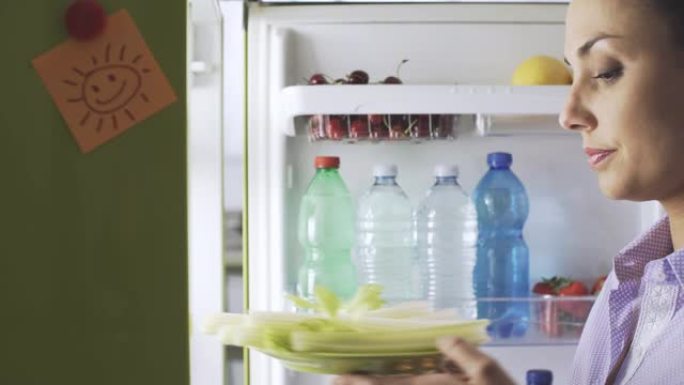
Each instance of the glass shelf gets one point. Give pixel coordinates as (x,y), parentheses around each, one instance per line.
(539,320)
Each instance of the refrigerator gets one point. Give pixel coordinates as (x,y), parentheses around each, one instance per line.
(94,269)
(458,59)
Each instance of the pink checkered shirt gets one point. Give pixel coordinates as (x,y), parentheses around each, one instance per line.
(635,332)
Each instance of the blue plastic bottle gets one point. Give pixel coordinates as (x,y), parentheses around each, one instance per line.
(539,377)
(502,267)
(386,245)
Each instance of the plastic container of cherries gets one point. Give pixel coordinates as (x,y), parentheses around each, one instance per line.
(377,127)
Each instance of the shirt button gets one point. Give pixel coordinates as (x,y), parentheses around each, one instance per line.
(660,276)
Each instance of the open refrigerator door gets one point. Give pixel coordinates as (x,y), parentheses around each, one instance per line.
(458,59)
(205,175)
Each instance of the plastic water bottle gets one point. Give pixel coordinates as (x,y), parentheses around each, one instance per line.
(385,237)
(502,268)
(326,233)
(446,223)
(539,377)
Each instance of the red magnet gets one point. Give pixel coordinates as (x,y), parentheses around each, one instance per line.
(85,19)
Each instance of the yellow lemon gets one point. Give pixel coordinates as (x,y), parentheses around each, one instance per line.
(541,70)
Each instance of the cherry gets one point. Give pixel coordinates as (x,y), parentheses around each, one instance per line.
(398,126)
(422,126)
(379,126)
(335,127)
(375,119)
(434,121)
(359,127)
(317,79)
(395,79)
(358,77)
(397,131)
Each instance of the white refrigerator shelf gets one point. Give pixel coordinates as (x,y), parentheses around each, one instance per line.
(483,101)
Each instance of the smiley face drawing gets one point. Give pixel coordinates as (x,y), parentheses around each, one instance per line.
(113,84)
(104,86)
(110,88)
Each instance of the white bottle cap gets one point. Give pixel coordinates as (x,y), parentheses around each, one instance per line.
(443,170)
(385,170)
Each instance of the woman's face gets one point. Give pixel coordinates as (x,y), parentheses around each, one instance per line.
(626,97)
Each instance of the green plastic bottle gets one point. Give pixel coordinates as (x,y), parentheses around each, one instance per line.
(326,233)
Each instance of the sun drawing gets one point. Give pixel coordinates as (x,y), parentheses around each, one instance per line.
(109,89)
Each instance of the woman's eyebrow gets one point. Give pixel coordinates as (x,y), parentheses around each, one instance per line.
(584,49)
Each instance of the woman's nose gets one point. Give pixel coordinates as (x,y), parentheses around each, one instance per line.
(575,115)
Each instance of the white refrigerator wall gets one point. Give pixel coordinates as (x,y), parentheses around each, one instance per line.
(572,229)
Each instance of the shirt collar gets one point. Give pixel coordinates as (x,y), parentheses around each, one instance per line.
(656,243)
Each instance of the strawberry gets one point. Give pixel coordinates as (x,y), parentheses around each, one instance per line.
(543,288)
(573,288)
(549,285)
(578,309)
(560,317)
(598,285)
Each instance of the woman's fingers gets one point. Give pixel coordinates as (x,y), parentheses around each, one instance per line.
(464,355)
(465,365)
(477,366)
(424,379)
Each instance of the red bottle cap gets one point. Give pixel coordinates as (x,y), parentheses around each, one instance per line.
(327,162)
(85,19)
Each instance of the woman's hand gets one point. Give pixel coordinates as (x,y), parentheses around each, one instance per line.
(470,367)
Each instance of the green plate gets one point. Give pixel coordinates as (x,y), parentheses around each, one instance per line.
(328,363)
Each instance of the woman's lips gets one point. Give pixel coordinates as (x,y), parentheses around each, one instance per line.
(596,155)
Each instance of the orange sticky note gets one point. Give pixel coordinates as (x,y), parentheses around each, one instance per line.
(106,85)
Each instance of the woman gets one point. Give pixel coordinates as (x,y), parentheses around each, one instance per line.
(627,58)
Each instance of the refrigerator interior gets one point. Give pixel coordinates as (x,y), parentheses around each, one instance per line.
(571,230)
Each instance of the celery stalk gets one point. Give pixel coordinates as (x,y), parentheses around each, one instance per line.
(367,298)
(394,341)
(327,300)
(383,324)
(217,321)
(357,327)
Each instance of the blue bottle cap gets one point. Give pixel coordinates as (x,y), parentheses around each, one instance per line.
(499,159)
(539,377)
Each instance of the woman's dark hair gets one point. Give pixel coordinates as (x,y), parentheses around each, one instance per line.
(673,11)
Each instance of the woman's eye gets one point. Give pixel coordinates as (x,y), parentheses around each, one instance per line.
(609,76)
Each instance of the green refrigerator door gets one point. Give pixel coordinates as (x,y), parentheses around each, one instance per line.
(93,251)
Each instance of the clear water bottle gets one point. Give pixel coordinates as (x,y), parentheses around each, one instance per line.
(326,233)
(446,225)
(385,237)
(539,377)
(502,268)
